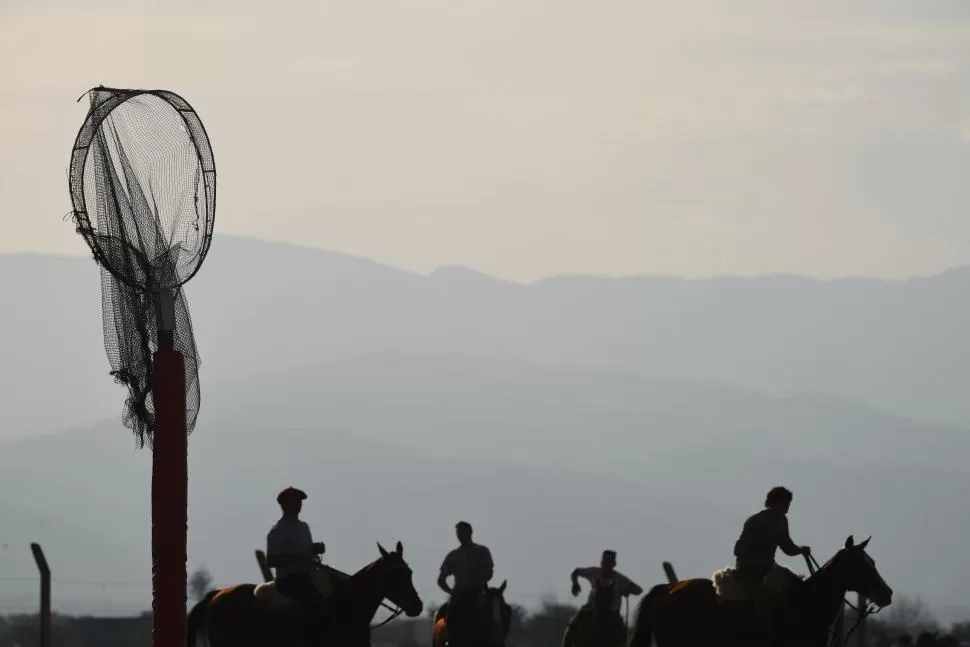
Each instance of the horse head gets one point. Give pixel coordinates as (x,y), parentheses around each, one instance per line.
(395,582)
(856,570)
(501,611)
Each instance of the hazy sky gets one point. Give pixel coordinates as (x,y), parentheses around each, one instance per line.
(530,137)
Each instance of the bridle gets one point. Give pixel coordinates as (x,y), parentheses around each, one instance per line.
(395,610)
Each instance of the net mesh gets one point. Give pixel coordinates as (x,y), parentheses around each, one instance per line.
(142,182)
(131,338)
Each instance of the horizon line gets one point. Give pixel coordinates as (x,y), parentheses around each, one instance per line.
(440,269)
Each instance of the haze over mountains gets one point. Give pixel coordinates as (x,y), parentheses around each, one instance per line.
(263,307)
(647,414)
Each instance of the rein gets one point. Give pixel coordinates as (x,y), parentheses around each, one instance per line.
(861,614)
(395,610)
(394,614)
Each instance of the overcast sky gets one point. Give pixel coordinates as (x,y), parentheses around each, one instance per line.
(530,137)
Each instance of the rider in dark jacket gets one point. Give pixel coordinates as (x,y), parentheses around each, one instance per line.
(471,567)
(764,532)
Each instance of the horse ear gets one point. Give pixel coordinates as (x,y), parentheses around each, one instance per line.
(381,548)
(863,545)
(501,589)
(399,549)
(849,542)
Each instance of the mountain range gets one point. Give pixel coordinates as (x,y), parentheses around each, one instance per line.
(266,307)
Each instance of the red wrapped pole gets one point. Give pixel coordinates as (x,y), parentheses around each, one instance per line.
(169,497)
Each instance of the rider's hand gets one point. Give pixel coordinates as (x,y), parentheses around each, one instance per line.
(806,551)
(576,589)
(319,548)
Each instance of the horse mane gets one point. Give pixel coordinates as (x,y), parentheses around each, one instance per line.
(343,584)
(368,567)
(390,557)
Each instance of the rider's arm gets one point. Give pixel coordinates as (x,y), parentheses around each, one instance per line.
(632,588)
(487,564)
(580,572)
(443,583)
(316,547)
(446,570)
(786,544)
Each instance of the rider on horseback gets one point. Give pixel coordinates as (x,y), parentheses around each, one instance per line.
(604,575)
(291,550)
(471,567)
(764,532)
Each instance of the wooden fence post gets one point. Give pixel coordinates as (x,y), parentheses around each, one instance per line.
(45,594)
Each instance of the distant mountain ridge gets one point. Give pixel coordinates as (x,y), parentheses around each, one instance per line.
(262,307)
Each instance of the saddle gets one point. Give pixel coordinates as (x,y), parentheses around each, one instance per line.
(776,584)
(268,598)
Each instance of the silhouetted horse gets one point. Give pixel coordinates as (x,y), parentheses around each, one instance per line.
(495,616)
(688,613)
(231,617)
(597,626)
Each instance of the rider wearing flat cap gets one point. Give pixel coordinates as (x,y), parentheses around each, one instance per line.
(762,535)
(290,550)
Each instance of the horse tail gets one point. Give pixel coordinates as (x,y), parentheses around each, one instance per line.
(195,621)
(642,631)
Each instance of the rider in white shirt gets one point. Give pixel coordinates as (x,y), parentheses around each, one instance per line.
(604,575)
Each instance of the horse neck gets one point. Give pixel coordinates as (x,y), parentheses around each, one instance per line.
(497,605)
(364,592)
(822,597)
(505,616)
